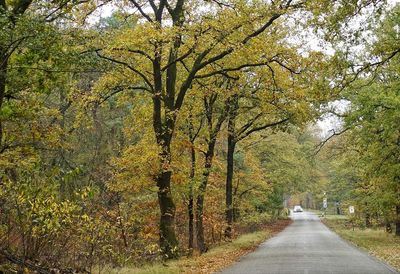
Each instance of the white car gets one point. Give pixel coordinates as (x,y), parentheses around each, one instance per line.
(297,208)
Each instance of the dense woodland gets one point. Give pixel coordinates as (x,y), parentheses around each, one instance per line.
(172,125)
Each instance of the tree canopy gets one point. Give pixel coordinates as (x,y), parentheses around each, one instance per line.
(163,128)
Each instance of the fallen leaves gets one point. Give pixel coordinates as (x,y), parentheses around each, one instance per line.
(228,253)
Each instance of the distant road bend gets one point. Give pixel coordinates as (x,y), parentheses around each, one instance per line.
(308,246)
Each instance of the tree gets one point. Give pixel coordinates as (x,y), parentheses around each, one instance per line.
(178,49)
(370,134)
(26,25)
(259,105)
(111,115)
(374,115)
(10,15)
(215,116)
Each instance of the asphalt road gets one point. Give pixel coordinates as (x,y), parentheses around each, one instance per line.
(308,246)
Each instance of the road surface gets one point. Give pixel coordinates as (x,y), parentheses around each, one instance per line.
(308,246)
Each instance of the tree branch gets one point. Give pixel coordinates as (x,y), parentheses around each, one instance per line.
(243,42)
(286,67)
(246,191)
(322,144)
(179,59)
(141,52)
(371,65)
(249,124)
(258,128)
(120,89)
(139,8)
(126,65)
(224,71)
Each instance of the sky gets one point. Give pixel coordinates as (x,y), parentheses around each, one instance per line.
(329,123)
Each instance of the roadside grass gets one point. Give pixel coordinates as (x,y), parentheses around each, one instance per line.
(329,215)
(214,260)
(376,242)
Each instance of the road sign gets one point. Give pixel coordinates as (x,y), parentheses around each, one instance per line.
(325,203)
(351,209)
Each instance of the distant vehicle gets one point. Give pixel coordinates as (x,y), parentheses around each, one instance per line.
(297,208)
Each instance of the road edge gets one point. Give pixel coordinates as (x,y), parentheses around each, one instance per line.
(361,249)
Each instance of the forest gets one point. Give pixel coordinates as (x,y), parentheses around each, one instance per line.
(134,131)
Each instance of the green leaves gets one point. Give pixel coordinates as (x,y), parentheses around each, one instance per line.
(367,171)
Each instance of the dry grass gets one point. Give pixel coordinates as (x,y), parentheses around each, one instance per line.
(377,242)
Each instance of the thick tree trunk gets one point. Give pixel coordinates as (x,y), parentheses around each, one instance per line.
(228,188)
(168,240)
(201,245)
(163,129)
(397,220)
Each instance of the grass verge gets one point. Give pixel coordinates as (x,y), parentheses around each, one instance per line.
(328,215)
(376,242)
(216,258)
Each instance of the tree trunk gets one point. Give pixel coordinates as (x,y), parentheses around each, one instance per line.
(3,76)
(338,212)
(367,220)
(228,188)
(190,204)
(200,197)
(163,129)
(168,239)
(229,210)
(209,155)
(191,223)
(388,226)
(397,220)
(199,220)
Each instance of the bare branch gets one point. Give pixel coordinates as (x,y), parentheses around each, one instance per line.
(244,41)
(262,28)
(14,45)
(141,52)
(153,6)
(139,8)
(371,65)
(249,124)
(224,71)
(262,127)
(284,66)
(322,144)
(126,65)
(247,190)
(58,11)
(120,89)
